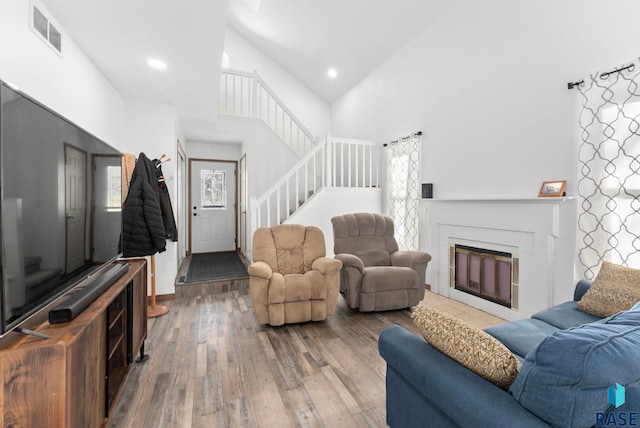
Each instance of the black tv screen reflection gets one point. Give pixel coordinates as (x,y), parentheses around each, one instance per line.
(60,209)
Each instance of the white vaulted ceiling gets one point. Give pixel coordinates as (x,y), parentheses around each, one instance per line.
(306,37)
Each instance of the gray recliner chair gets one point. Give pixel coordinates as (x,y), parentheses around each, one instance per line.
(375,275)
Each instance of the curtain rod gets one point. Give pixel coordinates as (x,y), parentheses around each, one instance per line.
(603,76)
(403,138)
(572,85)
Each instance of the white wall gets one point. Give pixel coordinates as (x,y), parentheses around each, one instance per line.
(486,83)
(268,158)
(215,151)
(332,201)
(151,129)
(69,84)
(305,104)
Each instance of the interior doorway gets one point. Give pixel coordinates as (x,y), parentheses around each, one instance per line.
(213,204)
(75,203)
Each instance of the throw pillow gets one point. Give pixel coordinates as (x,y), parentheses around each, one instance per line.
(616,288)
(469,346)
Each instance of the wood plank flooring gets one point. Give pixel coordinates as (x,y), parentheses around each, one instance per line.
(212,365)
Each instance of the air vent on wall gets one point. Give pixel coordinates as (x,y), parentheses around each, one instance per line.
(45,29)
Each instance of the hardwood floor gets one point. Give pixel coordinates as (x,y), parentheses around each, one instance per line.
(212,365)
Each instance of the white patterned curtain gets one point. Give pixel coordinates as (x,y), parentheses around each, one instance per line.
(403,183)
(609,170)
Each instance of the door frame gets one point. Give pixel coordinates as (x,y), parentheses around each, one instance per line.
(235,196)
(86,219)
(242,194)
(182,203)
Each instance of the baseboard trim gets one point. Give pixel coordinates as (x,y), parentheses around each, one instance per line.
(162,297)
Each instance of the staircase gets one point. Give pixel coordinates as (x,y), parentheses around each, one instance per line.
(243,94)
(337,163)
(330,162)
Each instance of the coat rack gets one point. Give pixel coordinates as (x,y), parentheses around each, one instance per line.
(129,165)
(155,310)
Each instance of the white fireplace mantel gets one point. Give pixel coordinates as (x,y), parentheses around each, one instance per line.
(541,231)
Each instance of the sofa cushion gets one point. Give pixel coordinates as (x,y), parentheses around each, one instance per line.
(469,346)
(565,315)
(521,336)
(616,288)
(565,379)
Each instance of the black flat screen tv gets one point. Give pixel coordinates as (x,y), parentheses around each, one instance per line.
(60,210)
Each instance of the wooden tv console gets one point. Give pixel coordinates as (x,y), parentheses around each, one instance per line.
(75,378)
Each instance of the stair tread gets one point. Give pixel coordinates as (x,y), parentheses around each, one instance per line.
(32,264)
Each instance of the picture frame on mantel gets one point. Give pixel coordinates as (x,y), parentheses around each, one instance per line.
(551,189)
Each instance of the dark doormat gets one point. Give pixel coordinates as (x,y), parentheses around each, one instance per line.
(215,266)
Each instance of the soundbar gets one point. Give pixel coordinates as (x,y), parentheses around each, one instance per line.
(74,305)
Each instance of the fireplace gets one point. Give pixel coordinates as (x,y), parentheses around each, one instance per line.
(485,273)
(539,234)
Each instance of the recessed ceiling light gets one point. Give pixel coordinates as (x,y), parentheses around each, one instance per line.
(157,64)
(332,72)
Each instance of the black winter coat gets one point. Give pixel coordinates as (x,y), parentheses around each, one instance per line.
(142,224)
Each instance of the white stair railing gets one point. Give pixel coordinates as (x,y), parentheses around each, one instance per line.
(334,162)
(354,163)
(331,163)
(244,94)
(295,188)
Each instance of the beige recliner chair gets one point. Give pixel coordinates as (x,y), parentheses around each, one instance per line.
(291,280)
(376,276)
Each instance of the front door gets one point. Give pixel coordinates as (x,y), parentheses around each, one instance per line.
(213,206)
(75,168)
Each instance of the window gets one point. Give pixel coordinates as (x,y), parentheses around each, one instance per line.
(399,192)
(609,170)
(399,176)
(213,185)
(620,180)
(114,188)
(402,194)
(621,144)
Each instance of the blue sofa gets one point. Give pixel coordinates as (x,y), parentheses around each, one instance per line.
(426,388)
